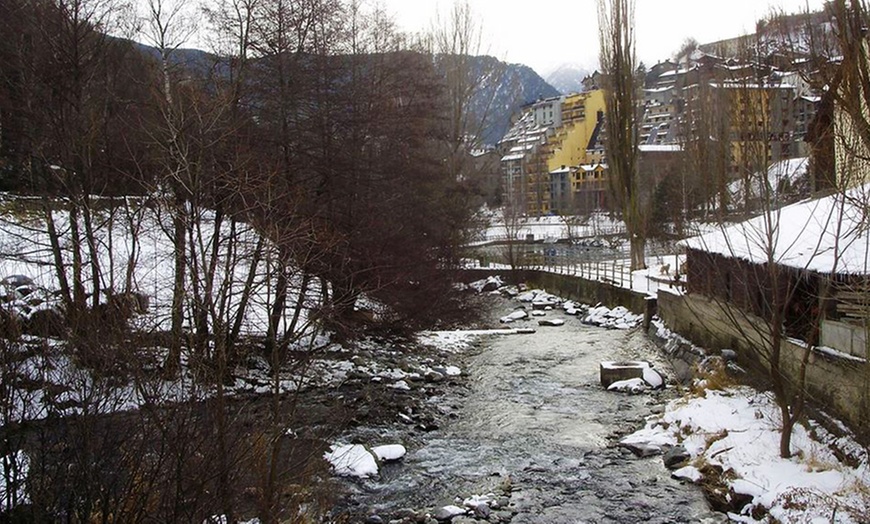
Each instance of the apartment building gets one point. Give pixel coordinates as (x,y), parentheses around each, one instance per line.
(521,163)
(754,107)
(545,149)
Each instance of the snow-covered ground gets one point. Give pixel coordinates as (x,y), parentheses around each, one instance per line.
(25,249)
(549,227)
(783,181)
(736,431)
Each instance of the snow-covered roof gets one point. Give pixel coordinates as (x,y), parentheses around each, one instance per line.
(678,72)
(752,85)
(781,176)
(654,148)
(735,67)
(509,158)
(828,235)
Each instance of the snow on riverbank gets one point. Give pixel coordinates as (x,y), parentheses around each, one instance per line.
(736,432)
(731,439)
(354,460)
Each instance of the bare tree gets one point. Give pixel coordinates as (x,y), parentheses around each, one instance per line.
(618,67)
(168,28)
(71,79)
(705,136)
(851,92)
(287,187)
(512,222)
(747,269)
(456,43)
(743,270)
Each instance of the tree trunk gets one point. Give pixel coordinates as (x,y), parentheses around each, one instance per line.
(225,462)
(78,284)
(134,236)
(638,252)
(91,240)
(173,360)
(276,312)
(248,289)
(776,374)
(57,255)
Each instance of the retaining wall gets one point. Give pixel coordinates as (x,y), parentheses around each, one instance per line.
(838,383)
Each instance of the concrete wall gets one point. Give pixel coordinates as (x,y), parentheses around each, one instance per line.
(838,384)
(845,337)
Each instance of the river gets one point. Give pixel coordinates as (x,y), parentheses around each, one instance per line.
(533,420)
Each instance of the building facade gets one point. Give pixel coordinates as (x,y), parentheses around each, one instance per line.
(545,149)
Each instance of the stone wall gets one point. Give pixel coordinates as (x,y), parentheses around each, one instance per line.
(840,384)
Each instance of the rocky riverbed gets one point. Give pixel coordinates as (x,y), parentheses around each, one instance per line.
(527,434)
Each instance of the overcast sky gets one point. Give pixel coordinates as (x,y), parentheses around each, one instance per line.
(544,34)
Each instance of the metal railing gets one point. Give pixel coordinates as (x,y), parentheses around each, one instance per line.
(608,264)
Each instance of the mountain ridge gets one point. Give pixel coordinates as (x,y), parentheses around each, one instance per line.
(518,85)
(568,78)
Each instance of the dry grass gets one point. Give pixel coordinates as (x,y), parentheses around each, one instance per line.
(806,500)
(713,438)
(711,374)
(816,464)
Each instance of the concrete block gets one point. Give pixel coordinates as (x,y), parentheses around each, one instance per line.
(611,372)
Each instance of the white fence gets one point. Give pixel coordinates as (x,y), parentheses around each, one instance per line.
(607,265)
(541,230)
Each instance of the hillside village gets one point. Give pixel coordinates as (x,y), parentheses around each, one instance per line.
(553,160)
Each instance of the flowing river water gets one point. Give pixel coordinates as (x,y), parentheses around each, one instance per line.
(535,418)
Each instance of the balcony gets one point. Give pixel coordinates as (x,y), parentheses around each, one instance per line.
(590,185)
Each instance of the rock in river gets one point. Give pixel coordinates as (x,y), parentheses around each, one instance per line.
(676,457)
(447,513)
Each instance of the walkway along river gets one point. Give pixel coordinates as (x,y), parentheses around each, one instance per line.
(535,423)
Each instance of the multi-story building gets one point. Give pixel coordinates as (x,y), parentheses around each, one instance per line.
(658,125)
(590,182)
(521,151)
(754,107)
(567,148)
(739,117)
(545,148)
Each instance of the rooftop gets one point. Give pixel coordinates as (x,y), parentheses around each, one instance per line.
(829,235)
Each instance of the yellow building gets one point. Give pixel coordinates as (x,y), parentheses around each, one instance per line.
(545,148)
(570,146)
(567,148)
